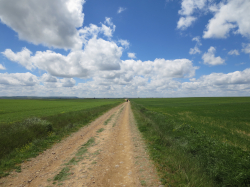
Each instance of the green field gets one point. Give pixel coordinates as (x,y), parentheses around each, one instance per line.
(12,110)
(209,136)
(28,127)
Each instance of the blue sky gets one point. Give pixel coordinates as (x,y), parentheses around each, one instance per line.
(143,48)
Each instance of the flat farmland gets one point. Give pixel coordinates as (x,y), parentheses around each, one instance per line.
(12,110)
(206,139)
(224,119)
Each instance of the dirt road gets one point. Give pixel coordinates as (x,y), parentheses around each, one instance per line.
(108,152)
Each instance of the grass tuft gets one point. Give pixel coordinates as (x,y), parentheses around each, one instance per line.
(73,161)
(100,130)
(62,175)
(85,146)
(108,120)
(143,183)
(18,169)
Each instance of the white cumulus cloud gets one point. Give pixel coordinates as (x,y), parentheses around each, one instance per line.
(221,80)
(219,84)
(131,55)
(210,59)
(108,30)
(51,23)
(185,22)
(48,78)
(215,84)
(88,32)
(120,10)
(188,8)
(196,49)
(230,15)
(234,52)
(98,55)
(124,43)
(68,82)
(22,57)
(2,67)
(18,79)
(178,68)
(237,77)
(246,48)
(135,78)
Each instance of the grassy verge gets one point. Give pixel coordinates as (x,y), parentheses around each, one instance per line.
(186,156)
(20,141)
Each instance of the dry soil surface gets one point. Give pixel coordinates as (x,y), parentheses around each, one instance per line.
(115,155)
